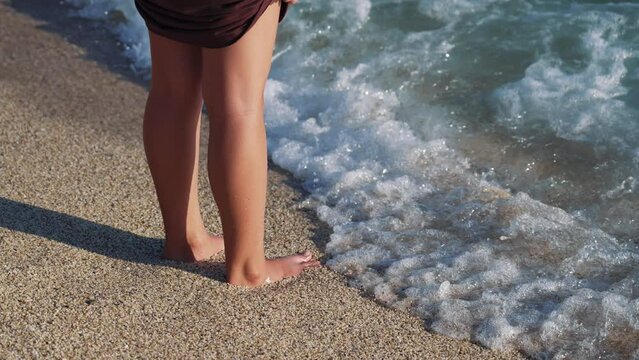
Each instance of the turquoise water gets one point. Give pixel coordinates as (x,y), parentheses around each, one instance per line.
(477,160)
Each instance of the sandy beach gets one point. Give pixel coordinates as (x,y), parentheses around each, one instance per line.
(81,232)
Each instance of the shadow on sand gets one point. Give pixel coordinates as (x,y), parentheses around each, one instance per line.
(97,238)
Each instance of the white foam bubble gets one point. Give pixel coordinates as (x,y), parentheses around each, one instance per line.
(450,10)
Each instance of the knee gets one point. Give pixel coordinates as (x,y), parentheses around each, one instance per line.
(231,109)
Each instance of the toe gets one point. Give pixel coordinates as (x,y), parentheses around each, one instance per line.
(305,256)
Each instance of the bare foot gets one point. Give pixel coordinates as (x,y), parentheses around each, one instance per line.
(288,266)
(277,269)
(197,250)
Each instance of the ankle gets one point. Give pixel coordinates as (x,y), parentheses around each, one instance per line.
(247,276)
(196,241)
(181,252)
(189,241)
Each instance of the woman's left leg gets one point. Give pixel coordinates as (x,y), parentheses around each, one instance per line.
(171,133)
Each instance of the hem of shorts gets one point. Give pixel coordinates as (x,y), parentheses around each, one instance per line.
(171,34)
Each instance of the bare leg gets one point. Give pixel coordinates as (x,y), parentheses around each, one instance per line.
(171,133)
(234,78)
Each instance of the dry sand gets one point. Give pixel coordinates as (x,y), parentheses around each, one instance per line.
(81,233)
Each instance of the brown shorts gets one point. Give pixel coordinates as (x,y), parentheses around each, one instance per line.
(206,23)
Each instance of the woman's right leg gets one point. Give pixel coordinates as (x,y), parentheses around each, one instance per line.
(234,78)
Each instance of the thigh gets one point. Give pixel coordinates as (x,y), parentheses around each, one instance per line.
(176,67)
(234,77)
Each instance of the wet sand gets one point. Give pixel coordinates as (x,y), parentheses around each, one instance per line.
(81,233)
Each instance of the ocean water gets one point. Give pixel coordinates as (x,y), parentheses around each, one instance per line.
(477,160)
